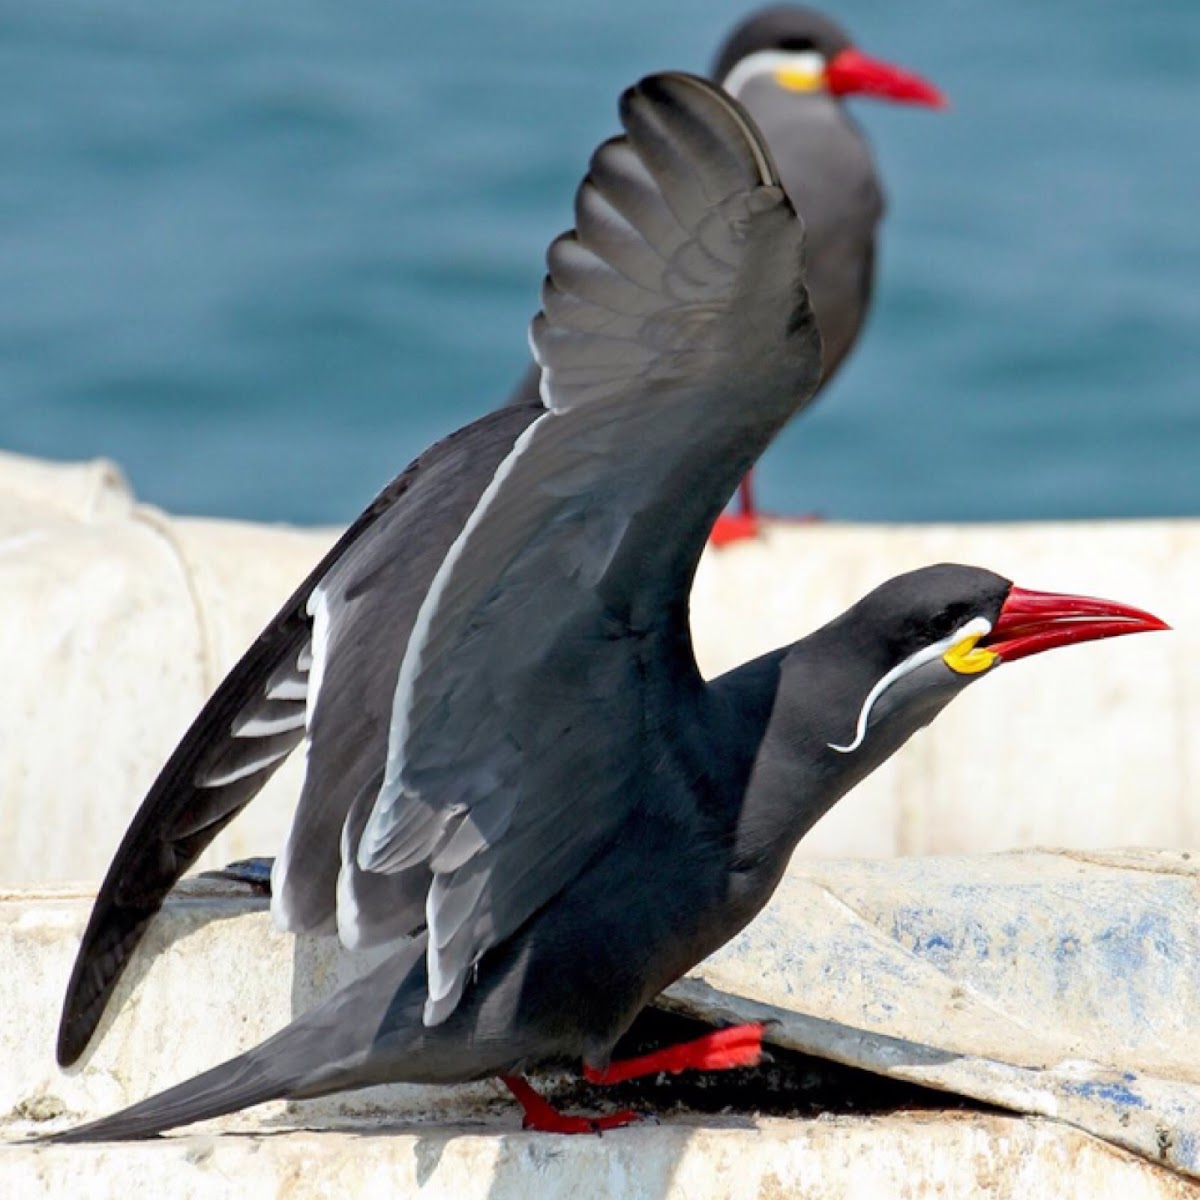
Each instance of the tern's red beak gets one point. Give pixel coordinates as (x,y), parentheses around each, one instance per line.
(1031,622)
(852,72)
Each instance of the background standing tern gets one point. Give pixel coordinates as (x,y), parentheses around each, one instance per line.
(792,67)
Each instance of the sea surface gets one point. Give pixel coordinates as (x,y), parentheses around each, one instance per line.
(262,253)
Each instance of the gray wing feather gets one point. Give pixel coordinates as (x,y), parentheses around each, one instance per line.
(374,908)
(675,340)
(367,604)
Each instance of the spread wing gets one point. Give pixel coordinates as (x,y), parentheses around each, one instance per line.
(675,340)
(257,715)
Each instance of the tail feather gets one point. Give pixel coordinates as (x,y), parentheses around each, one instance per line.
(234,1085)
(334,1047)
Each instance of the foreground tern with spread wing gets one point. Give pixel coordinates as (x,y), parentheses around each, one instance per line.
(515,772)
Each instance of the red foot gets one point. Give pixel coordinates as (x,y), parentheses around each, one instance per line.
(737,1046)
(730,528)
(542,1116)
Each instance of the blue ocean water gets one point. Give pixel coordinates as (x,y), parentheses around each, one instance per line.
(262,254)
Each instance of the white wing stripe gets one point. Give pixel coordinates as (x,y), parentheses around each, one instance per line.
(378,828)
(233,774)
(312,659)
(318,609)
(289,689)
(349,925)
(252,726)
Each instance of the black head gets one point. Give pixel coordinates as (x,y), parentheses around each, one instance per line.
(844,699)
(791,27)
(922,608)
(803,51)
(907,648)
(891,663)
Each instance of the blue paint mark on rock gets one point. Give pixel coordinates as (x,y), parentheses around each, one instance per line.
(1183,1149)
(1116,1092)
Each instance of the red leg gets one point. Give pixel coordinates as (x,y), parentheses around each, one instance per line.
(733,527)
(737,1046)
(746,496)
(542,1116)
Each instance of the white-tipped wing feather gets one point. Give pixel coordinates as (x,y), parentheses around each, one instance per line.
(675,340)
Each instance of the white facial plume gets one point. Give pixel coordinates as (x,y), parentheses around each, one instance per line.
(976,628)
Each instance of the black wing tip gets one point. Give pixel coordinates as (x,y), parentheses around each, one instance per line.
(75,1031)
(104,953)
(666,87)
(80,1135)
(704,101)
(72,1042)
(104,1129)
(80,1013)
(77,1028)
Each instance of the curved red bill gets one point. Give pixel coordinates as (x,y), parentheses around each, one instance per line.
(852,72)
(1031,622)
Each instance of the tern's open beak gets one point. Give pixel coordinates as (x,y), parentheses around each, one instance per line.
(1031,622)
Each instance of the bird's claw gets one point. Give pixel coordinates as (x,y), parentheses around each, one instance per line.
(566,1124)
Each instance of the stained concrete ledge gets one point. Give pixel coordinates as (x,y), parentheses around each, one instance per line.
(1031,959)
(989,977)
(898,1157)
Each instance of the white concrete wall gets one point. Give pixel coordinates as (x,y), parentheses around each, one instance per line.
(119,620)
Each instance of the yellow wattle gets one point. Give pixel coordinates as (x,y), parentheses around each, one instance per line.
(968,659)
(799,81)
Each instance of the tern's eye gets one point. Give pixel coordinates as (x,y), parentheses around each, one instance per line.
(797,45)
(952,617)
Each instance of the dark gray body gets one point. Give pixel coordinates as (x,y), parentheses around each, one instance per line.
(745,771)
